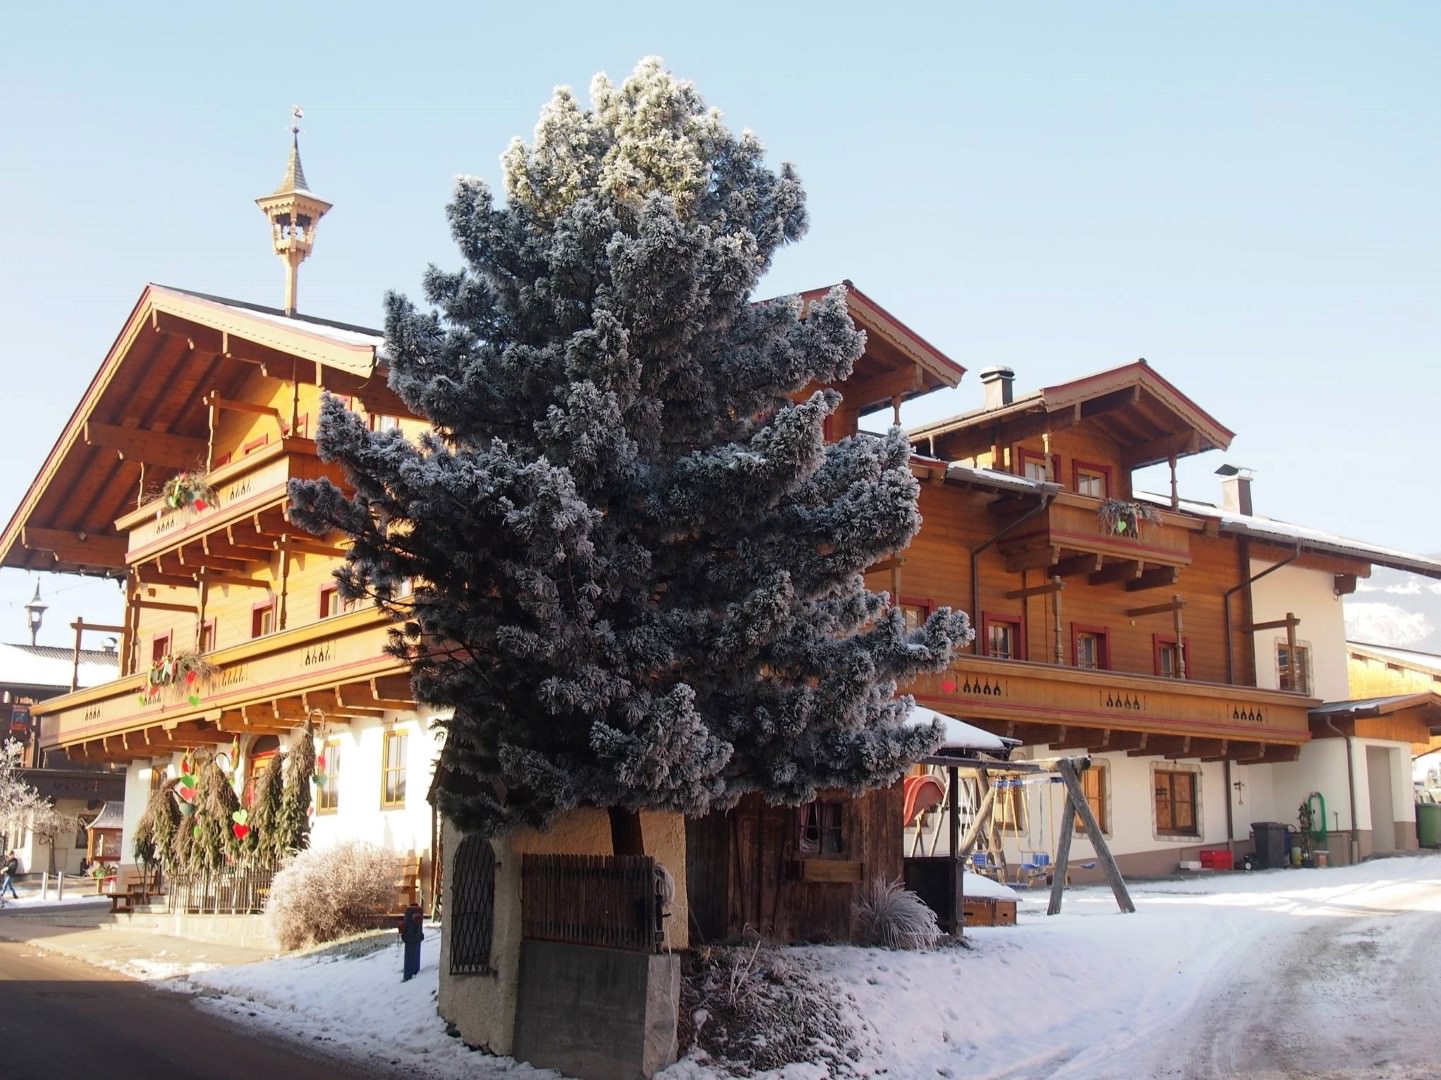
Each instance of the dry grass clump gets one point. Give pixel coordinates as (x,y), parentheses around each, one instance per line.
(329,893)
(893,917)
(753,1008)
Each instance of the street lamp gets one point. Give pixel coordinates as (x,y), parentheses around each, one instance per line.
(34,613)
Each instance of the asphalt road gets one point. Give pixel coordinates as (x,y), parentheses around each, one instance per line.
(62,1019)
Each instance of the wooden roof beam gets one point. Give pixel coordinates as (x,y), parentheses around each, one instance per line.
(81,547)
(151,447)
(1036,590)
(1073,565)
(1171,605)
(300,546)
(1148,453)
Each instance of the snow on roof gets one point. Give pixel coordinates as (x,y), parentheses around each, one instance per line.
(1004,481)
(111,816)
(338,332)
(958,735)
(49,665)
(1410,657)
(1287,534)
(1375,706)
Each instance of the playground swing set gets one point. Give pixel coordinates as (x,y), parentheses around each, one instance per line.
(997,806)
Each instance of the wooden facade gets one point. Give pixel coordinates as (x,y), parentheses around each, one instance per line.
(768,868)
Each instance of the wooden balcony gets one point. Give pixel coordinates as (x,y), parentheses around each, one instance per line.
(1068,538)
(334,669)
(1078,708)
(249,512)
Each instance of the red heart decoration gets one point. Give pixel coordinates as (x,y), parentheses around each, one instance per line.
(948,686)
(241,831)
(190,676)
(200,504)
(186,793)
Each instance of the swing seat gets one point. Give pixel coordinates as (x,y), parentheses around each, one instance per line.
(982,863)
(1037,865)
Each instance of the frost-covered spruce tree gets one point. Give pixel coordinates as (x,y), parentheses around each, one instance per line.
(636,562)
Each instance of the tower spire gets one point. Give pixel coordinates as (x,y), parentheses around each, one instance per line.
(293,210)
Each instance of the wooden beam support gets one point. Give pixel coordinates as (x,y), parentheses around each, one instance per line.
(80,547)
(895,562)
(1289,622)
(161,605)
(1164,746)
(148,574)
(1157,450)
(1035,558)
(150,447)
(1036,590)
(1127,570)
(298,546)
(1169,607)
(221,577)
(1073,565)
(1158,577)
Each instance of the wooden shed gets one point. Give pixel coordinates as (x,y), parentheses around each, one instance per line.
(790,873)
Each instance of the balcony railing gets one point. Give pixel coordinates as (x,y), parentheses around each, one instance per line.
(254,483)
(337,666)
(1034,696)
(1073,524)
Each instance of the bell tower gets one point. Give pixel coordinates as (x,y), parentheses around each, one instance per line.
(293,210)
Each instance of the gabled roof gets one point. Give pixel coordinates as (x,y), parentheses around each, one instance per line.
(1144,413)
(1425,707)
(175,346)
(898,362)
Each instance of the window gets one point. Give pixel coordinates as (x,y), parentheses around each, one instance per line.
(327,778)
(915,611)
(159,648)
(1034,465)
(1169,657)
(392,780)
(382,422)
(207,637)
(1096,786)
(1092,480)
(822,829)
(1090,647)
(1003,638)
(1293,667)
(332,603)
(262,619)
(264,753)
(1176,802)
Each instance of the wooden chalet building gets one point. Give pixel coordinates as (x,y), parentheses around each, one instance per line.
(1189,648)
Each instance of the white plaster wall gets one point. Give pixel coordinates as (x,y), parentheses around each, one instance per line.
(1311,596)
(360,815)
(483,1006)
(137,794)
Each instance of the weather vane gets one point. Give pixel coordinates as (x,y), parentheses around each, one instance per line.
(296,115)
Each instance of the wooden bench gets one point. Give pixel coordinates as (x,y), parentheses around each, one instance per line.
(130,887)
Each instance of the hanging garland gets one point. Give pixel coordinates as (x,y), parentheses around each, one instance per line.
(184,676)
(187,491)
(1121,518)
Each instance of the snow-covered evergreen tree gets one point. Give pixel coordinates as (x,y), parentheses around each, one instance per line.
(636,562)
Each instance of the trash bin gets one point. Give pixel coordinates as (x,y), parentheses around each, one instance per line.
(1270,840)
(1428,824)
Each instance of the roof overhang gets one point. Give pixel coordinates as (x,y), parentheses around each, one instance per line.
(1412,718)
(144,409)
(1148,417)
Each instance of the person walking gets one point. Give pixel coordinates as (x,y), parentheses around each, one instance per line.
(8,872)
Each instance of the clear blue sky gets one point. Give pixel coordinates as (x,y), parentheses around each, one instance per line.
(1246,195)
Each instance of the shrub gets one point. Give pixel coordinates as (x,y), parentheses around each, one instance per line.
(892,916)
(327,893)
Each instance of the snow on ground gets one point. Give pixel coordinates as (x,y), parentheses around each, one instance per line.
(1296,973)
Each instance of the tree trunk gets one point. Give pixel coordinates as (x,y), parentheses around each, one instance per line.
(625,834)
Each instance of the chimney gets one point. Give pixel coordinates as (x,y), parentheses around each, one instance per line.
(1235,489)
(998,382)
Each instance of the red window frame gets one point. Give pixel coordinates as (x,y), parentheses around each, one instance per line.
(1104,471)
(925,603)
(255,444)
(1103,645)
(160,647)
(1159,640)
(257,614)
(1024,456)
(329,601)
(209,632)
(1018,633)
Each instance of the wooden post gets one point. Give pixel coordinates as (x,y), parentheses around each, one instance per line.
(1181,658)
(953,810)
(1076,797)
(1296,683)
(204,595)
(1056,617)
(79,625)
(285,586)
(1175,494)
(1063,858)
(213,416)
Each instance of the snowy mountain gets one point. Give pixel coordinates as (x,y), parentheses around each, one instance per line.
(1394,607)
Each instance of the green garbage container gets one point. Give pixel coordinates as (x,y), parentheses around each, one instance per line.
(1428,824)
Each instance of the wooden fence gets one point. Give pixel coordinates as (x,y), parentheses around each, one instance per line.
(231,890)
(604,900)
